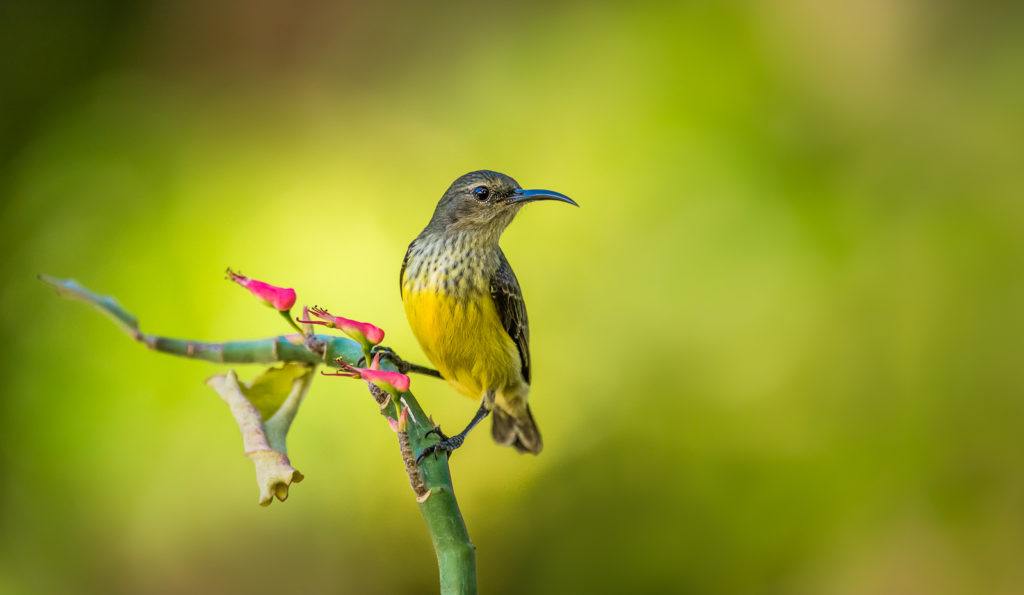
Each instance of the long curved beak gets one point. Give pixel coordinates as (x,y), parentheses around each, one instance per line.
(524,196)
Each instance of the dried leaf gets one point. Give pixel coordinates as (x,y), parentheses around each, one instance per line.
(274,473)
(264,441)
(269,390)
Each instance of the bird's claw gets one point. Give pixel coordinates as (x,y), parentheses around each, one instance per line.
(436,430)
(389,354)
(446,445)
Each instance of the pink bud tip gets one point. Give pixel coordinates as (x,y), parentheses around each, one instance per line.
(386,379)
(393,423)
(279,298)
(364,332)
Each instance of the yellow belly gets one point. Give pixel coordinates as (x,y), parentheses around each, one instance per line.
(465,341)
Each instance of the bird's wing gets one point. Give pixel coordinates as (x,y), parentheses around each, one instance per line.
(508,300)
(401,273)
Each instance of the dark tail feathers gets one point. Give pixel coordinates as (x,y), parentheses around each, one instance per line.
(520,432)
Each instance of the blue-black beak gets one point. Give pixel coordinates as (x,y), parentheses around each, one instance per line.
(521,196)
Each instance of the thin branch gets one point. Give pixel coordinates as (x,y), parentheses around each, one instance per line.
(282,348)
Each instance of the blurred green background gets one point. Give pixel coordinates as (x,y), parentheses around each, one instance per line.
(778,349)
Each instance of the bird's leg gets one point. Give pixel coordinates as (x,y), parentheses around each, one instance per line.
(403,366)
(450,443)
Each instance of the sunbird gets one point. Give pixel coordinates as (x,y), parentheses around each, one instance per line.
(466,309)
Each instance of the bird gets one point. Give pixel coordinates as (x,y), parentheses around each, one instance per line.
(466,308)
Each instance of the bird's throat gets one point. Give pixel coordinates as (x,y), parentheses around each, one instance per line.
(456,265)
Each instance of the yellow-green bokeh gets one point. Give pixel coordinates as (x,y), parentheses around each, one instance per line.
(777,348)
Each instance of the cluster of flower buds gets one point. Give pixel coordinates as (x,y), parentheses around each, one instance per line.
(367,335)
(282,299)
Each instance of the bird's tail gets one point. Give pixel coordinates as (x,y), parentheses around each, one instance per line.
(519,431)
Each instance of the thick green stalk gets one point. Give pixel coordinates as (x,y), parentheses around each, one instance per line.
(456,555)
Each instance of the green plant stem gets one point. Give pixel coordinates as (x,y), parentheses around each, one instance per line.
(456,555)
(291,321)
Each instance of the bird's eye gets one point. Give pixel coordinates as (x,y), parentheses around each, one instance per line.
(481,192)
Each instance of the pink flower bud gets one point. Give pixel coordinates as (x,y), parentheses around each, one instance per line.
(364,332)
(392,382)
(278,298)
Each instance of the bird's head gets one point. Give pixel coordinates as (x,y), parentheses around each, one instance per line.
(485,201)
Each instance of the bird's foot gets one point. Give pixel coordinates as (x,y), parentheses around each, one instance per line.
(390,355)
(446,445)
(400,364)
